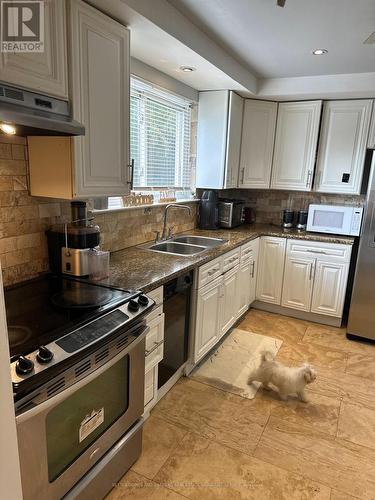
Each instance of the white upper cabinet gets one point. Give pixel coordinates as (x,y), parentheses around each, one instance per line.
(99,88)
(295,145)
(219,139)
(43,72)
(342,148)
(258,136)
(371,135)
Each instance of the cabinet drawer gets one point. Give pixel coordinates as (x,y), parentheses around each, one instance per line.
(209,272)
(151,382)
(331,252)
(156,295)
(247,251)
(154,343)
(157,311)
(231,259)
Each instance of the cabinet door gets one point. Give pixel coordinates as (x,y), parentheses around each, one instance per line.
(342,149)
(298,283)
(329,288)
(254,270)
(258,136)
(99,71)
(207,318)
(229,307)
(232,159)
(44,72)
(244,286)
(295,145)
(371,135)
(270,269)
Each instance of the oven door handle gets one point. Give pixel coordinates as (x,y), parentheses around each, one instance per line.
(55,400)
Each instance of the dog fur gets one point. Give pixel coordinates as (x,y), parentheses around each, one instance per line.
(288,380)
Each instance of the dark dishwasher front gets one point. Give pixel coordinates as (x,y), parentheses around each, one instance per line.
(176,308)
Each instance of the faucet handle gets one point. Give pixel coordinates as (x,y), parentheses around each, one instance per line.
(170,232)
(157,236)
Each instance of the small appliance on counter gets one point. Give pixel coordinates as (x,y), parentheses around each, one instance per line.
(69,244)
(249,215)
(208,210)
(288,218)
(335,219)
(302,220)
(230,213)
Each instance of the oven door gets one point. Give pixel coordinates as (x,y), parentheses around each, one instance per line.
(63,437)
(329,219)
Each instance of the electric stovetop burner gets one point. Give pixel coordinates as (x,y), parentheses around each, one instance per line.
(40,311)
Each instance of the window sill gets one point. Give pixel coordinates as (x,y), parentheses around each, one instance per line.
(141,207)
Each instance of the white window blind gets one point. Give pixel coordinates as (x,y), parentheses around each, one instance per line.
(160,129)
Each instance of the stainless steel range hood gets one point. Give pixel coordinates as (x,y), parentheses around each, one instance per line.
(36,114)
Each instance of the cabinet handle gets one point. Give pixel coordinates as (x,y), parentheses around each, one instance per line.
(155,346)
(242,175)
(131,175)
(213,271)
(310,273)
(252,268)
(309,174)
(317,251)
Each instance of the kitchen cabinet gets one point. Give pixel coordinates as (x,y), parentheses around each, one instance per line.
(229,295)
(96,164)
(207,317)
(270,269)
(371,135)
(329,288)
(296,140)
(298,282)
(43,72)
(219,139)
(342,149)
(258,136)
(247,276)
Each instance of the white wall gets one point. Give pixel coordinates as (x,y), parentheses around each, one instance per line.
(10,480)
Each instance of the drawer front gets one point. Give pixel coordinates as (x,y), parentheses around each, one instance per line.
(331,252)
(151,382)
(157,311)
(209,272)
(154,343)
(231,259)
(247,251)
(157,295)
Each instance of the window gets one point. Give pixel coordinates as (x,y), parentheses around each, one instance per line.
(160,127)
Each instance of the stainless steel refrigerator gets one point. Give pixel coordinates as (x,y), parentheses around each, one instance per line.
(361,322)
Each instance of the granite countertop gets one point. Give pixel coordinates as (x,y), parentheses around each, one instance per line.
(142,269)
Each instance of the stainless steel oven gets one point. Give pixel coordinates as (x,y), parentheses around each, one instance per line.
(80,431)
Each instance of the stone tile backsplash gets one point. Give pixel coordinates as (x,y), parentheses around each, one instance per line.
(24,219)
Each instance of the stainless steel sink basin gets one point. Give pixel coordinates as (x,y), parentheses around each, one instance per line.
(200,240)
(176,248)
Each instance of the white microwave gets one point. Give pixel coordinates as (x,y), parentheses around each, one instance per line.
(335,219)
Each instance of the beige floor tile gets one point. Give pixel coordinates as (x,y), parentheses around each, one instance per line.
(361,365)
(135,487)
(159,440)
(321,412)
(356,424)
(313,353)
(274,325)
(203,469)
(335,462)
(335,338)
(234,421)
(338,495)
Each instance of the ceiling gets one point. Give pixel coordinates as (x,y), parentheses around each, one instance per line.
(276,42)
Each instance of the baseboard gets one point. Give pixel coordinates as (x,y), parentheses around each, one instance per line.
(294,313)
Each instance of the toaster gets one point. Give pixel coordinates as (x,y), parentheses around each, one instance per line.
(231,213)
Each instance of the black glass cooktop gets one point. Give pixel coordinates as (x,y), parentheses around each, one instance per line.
(41,310)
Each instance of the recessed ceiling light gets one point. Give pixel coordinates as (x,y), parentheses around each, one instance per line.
(7,128)
(319,52)
(187,69)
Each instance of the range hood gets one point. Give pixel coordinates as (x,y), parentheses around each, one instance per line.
(36,114)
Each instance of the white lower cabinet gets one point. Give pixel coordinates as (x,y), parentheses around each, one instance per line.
(298,284)
(247,276)
(271,269)
(229,295)
(207,320)
(329,288)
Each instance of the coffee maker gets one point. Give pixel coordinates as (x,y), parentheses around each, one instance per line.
(208,212)
(69,244)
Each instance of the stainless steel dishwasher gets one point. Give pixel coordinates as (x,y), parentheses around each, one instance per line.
(176,308)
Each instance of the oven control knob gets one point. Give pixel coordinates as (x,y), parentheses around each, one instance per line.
(133,305)
(24,365)
(143,300)
(44,355)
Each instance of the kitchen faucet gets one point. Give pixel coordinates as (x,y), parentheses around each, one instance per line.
(171,205)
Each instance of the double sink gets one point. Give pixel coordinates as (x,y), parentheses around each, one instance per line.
(186,245)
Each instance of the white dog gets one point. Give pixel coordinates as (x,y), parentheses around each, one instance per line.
(289,380)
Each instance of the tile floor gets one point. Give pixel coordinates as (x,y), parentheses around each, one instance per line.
(203,443)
